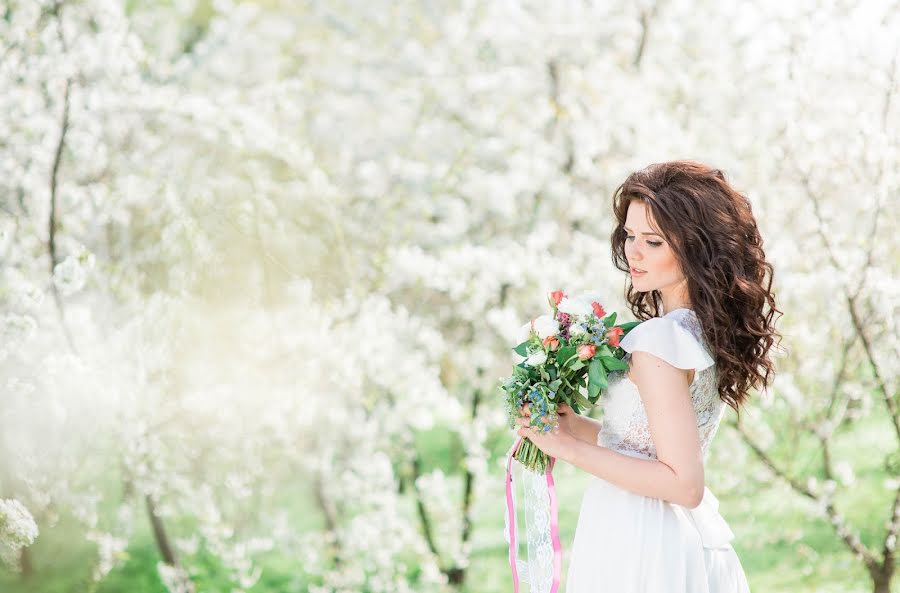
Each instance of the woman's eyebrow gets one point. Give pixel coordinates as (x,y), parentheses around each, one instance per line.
(628,229)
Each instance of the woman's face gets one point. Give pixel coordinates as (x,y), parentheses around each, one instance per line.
(648,251)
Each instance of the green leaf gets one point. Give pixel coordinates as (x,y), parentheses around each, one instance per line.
(597,374)
(521,348)
(604,351)
(627,327)
(578,364)
(568,383)
(610,320)
(614,364)
(565,354)
(582,401)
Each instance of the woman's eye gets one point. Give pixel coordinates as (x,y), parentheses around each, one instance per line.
(650,243)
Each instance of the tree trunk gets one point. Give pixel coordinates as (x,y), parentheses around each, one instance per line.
(882,575)
(25,562)
(159,533)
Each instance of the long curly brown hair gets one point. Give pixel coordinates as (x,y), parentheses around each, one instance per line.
(712,231)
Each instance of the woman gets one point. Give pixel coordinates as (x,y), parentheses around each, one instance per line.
(701,282)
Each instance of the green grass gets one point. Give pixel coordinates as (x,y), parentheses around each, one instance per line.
(781,544)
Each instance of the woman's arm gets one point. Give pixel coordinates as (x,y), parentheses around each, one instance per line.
(677,473)
(585,428)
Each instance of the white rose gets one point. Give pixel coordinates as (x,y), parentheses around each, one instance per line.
(524,333)
(536,359)
(546,326)
(575,306)
(576,330)
(591,297)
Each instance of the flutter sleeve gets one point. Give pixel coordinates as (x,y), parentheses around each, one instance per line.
(666,338)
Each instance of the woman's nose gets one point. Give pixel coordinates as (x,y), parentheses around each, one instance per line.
(633,253)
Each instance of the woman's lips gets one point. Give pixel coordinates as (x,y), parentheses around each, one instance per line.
(635,272)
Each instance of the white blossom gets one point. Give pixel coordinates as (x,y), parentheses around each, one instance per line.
(17,530)
(536,359)
(546,326)
(575,306)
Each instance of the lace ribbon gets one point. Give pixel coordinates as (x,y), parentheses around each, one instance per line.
(544,567)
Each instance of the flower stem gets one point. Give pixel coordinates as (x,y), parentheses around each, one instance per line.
(531,457)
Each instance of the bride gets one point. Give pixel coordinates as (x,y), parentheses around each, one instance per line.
(700,280)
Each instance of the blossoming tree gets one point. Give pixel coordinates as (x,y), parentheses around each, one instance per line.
(253,253)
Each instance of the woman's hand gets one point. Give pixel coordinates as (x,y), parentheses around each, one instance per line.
(555,444)
(568,419)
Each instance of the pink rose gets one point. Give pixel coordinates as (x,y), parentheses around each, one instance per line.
(613,334)
(586,351)
(555,297)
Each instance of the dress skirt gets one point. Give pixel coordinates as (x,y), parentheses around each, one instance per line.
(628,543)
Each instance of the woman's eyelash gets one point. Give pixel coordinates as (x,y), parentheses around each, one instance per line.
(653,243)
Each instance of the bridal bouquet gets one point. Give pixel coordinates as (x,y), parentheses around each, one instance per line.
(563,353)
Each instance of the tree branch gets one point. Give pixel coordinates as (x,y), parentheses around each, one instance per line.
(330,513)
(890,539)
(54,181)
(852,304)
(420,507)
(646,16)
(836,520)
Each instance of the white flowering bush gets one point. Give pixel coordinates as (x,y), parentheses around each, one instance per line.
(255,256)
(17,530)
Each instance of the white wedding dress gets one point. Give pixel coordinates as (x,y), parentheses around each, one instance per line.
(628,543)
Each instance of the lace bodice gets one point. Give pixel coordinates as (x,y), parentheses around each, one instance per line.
(675,337)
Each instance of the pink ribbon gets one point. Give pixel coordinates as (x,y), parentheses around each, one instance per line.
(554,522)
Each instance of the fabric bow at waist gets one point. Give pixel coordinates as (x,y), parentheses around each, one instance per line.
(714,530)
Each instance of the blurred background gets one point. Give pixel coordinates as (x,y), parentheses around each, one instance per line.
(262,265)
